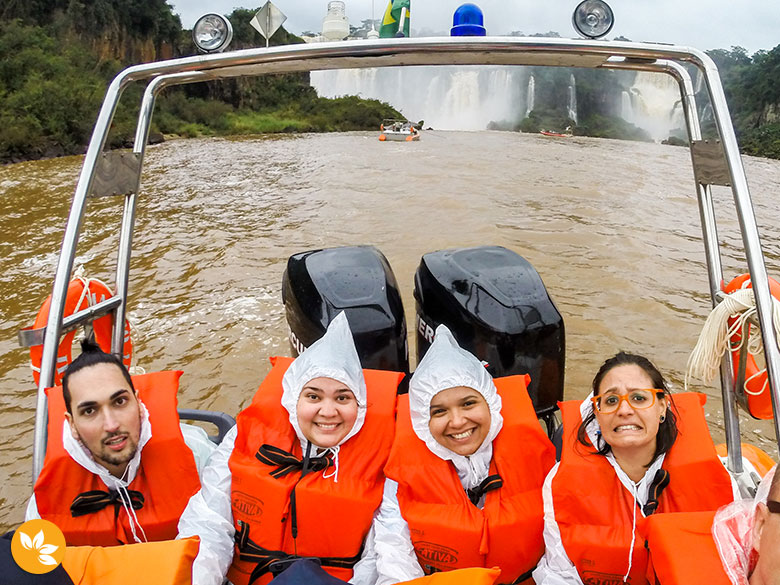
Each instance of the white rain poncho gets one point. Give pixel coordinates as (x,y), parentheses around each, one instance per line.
(732,530)
(332,356)
(444,366)
(209,513)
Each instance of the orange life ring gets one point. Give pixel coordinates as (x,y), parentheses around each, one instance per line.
(82,293)
(759,458)
(756,387)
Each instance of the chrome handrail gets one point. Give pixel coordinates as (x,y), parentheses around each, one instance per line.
(533,51)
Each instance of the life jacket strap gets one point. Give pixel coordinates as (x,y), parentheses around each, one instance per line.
(95,500)
(251,552)
(657,486)
(286,462)
(524,577)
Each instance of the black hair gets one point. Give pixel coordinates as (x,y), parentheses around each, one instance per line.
(91,355)
(667,430)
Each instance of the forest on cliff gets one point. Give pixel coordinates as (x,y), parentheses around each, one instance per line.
(60,55)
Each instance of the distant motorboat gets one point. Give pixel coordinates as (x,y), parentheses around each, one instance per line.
(565,134)
(398,131)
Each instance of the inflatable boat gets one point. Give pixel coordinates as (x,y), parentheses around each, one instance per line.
(492,299)
(398,131)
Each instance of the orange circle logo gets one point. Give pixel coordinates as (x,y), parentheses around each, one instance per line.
(38,546)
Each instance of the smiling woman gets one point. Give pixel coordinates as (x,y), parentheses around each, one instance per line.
(327,410)
(460,419)
(306,457)
(455,474)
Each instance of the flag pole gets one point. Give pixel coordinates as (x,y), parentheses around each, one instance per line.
(401,23)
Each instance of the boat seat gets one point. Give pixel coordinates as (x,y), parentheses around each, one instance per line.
(223,422)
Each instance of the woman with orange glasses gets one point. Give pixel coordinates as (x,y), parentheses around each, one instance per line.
(629,450)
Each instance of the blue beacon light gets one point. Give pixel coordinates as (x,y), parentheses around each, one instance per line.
(467,21)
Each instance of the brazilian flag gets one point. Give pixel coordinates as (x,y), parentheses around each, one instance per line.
(392,16)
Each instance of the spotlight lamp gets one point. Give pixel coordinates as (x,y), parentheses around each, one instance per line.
(212,33)
(593,18)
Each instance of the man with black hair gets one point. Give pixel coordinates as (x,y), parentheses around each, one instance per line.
(95,484)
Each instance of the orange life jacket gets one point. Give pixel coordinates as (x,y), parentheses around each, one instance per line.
(333,517)
(683,551)
(167,476)
(447,530)
(594,511)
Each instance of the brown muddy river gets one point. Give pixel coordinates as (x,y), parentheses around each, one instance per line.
(611,226)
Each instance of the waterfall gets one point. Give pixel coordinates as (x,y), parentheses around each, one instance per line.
(529,101)
(626,110)
(445,97)
(572,104)
(653,104)
(677,116)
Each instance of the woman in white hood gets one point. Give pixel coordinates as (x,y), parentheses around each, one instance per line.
(464,479)
(301,473)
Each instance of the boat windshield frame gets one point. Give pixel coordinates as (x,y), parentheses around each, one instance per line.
(714,163)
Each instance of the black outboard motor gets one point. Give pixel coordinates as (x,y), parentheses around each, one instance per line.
(318,284)
(497,307)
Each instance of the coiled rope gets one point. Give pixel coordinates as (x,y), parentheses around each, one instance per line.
(715,338)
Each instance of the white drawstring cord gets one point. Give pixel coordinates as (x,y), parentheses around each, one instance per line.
(335,474)
(633,537)
(131,516)
(128,506)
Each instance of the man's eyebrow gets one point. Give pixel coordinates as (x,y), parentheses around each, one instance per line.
(93,403)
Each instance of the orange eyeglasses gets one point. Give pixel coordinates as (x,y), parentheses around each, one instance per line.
(637,399)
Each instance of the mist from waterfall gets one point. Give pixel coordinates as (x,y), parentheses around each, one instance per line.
(446,98)
(653,103)
(471,97)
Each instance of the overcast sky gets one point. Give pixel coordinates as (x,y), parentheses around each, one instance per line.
(703,24)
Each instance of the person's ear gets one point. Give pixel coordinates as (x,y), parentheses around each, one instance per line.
(663,405)
(74,433)
(762,512)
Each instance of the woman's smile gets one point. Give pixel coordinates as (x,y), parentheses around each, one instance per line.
(460,419)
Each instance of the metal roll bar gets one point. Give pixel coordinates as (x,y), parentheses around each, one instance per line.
(727,165)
